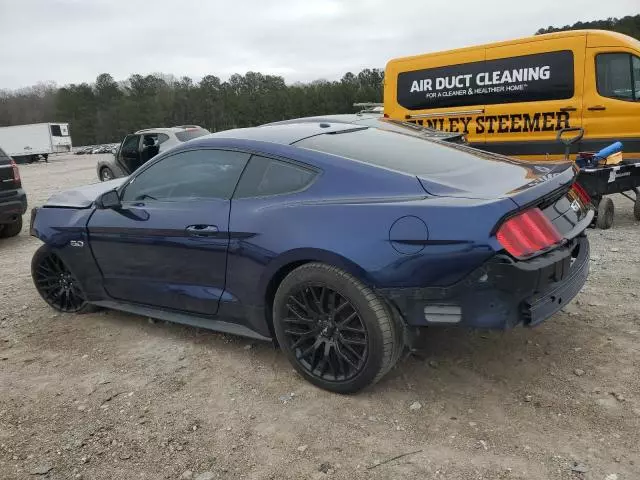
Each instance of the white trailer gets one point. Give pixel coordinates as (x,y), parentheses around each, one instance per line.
(26,143)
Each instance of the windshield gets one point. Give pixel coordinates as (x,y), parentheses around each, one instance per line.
(191,133)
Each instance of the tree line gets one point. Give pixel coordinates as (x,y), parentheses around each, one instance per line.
(629,25)
(106,110)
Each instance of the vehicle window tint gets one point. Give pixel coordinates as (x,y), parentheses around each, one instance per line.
(4,158)
(191,134)
(415,155)
(525,78)
(615,76)
(266,176)
(130,143)
(55,131)
(162,137)
(192,175)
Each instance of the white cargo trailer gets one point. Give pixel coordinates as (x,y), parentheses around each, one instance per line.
(26,143)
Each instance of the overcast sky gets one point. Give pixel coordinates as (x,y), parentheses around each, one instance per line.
(68,41)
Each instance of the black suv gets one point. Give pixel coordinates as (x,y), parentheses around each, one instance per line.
(13,200)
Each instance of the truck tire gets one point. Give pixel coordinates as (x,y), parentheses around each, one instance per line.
(636,205)
(11,229)
(606,212)
(336,332)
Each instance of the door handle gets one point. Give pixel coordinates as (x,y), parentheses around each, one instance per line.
(568,109)
(202,230)
(597,108)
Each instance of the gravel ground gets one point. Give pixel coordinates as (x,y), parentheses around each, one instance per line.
(116,396)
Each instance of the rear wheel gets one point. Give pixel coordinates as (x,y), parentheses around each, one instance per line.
(334,330)
(56,284)
(606,211)
(11,229)
(636,205)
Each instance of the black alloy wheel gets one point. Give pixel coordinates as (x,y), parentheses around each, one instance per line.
(55,282)
(326,333)
(336,332)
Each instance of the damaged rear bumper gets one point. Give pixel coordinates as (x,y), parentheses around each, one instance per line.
(502,293)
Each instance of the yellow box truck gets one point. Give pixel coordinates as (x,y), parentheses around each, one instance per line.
(513,97)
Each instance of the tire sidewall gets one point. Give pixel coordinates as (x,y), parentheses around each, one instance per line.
(348,287)
(38,256)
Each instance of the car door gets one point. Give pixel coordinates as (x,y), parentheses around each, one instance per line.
(167,244)
(129,154)
(612,99)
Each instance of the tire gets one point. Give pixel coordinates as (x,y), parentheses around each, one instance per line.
(336,332)
(56,284)
(11,229)
(606,212)
(636,206)
(106,174)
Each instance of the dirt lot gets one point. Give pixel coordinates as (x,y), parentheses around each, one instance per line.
(115,396)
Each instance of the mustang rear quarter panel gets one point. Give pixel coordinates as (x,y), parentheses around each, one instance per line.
(354,235)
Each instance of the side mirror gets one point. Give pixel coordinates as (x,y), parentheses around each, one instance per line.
(108,199)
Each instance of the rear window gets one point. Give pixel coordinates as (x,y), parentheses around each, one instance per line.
(4,158)
(191,134)
(405,153)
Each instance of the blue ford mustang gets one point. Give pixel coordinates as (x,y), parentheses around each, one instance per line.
(338,241)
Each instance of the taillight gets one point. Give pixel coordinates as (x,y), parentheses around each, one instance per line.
(16,171)
(527,233)
(581,193)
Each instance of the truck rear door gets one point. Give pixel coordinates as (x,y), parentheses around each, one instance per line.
(437,91)
(533,90)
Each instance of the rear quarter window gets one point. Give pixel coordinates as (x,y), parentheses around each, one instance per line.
(265,176)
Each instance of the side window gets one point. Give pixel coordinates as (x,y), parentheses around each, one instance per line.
(162,137)
(55,131)
(265,176)
(191,175)
(636,76)
(615,75)
(130,144)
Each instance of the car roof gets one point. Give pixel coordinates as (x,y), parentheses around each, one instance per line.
(285,134)
(168,129)
(340,118)
(372,119)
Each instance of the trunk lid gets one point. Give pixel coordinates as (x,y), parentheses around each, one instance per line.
(489,176)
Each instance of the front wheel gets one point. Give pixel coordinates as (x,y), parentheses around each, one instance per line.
(337,333)
(56,284)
